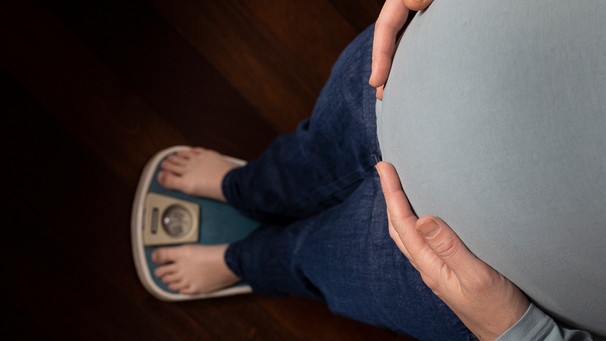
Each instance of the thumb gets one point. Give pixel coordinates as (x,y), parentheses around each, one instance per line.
(417,5)
(447,245)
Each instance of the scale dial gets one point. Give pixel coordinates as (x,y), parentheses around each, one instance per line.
(177,221)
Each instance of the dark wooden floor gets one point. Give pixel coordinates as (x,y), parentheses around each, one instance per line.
(90,90)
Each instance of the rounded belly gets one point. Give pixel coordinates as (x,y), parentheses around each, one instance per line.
(495,118)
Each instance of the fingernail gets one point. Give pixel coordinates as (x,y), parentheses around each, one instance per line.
(429,229)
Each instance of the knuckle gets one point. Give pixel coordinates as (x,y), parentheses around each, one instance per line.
(447,248)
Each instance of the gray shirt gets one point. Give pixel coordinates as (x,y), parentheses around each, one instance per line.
(495,118)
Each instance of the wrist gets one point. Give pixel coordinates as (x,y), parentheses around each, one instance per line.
(504,319)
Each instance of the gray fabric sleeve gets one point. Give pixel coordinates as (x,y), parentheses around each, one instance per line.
(535,325)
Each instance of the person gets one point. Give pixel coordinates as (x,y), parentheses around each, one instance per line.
(394,15)
(494,117)
(325,229)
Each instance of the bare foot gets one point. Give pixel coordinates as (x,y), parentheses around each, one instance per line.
(194,269)
(196,171)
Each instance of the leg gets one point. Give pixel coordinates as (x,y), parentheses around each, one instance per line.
(300,174)
(304,172)
(346,257)
(326,158)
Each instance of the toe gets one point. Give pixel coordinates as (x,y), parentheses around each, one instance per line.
(163,178)
(170,277)
(198,150)
(169,180)
(186,154)
(164,272)
(163,255)
(173,165)
(179,286)
(189,290)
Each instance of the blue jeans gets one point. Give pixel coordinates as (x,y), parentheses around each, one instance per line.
(324,233)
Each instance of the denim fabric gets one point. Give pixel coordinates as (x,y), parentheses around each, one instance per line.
(319,165)
(336,246)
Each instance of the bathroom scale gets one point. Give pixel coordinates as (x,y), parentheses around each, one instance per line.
(169,218)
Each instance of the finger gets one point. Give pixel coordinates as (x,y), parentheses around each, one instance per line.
(401,218)
(396,238)
(392,18)
(448,246)
(417,5)
(397,203)
(403,222)
(379,93)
